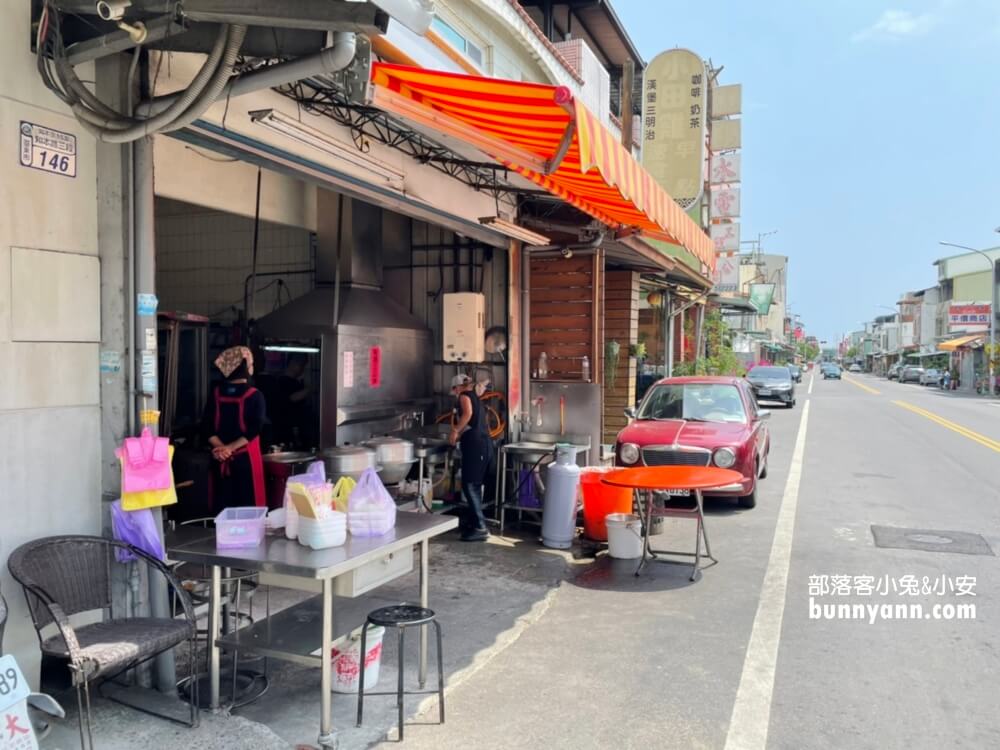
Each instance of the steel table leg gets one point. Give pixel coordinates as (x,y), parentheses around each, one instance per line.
(424,586)
(214,612)
(503,491)
(420,489)
(646,552)
(326,738)
(704,531)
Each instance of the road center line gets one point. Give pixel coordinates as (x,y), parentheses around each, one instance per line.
(752,709)
(862,386)
(954,427)
(811,381)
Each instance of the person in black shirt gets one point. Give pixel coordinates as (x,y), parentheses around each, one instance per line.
(470,432)
(232,422)
(290,405)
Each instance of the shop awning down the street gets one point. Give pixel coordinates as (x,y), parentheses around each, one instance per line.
(962,342)
(548,137)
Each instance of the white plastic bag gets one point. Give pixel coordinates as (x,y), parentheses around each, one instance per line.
(371,511)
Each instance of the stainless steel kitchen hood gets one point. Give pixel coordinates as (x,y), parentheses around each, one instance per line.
(376,358)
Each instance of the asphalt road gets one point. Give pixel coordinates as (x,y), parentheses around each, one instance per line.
(758,653)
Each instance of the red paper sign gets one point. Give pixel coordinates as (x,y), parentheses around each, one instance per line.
(375,367)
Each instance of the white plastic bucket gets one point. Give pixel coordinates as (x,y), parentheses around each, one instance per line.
(624,536)
(346,663)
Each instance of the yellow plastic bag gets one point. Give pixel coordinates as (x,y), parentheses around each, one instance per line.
(151,498)
(341,491)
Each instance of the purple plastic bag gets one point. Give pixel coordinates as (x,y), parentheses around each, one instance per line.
(138,528)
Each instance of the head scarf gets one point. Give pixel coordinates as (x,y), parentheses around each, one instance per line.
(232,358)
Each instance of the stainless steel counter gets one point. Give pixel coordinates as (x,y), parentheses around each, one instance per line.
(282,557)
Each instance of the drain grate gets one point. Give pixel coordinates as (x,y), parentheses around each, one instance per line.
(931,540)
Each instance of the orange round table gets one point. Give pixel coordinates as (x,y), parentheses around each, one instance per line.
(672,477)
(645,480)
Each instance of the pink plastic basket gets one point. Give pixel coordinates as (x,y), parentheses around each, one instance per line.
(240,527)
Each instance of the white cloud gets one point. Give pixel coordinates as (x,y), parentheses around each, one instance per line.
(897,24)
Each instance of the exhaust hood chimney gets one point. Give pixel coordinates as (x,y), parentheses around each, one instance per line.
(351,230)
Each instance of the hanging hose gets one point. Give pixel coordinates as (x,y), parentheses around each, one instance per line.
(112,126)
(494,432)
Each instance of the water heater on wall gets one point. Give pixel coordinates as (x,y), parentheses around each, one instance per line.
(464,327)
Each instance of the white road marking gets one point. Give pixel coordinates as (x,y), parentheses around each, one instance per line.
(811,381)
(752,709)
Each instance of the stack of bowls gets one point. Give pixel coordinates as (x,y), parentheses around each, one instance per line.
(321,533)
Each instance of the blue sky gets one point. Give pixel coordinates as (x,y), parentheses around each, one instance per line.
(869,133)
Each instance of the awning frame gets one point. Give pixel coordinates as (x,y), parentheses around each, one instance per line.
(386,99)
(548,137)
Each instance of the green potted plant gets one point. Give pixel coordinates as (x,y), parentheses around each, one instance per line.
(612,351)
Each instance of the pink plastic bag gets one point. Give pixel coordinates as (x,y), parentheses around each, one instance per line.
(371,511)
(145,463)
(135,527)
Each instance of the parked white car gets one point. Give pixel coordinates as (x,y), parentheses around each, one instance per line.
(931,377)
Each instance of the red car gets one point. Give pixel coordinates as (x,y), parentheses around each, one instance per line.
(700,421)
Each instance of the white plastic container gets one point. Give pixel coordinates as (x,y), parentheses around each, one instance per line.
(322,533)
(586,369)
(345,659)
(624,536)
(240,527)
(291,519)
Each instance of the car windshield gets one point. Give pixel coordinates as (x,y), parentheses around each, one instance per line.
(701,402)
(770,372)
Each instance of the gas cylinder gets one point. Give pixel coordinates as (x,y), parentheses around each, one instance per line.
(561,499)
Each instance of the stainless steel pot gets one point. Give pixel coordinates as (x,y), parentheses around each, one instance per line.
(348,461)
(394,455)
(295,459)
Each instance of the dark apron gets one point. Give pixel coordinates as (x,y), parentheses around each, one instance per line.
(243,473)
(475,444)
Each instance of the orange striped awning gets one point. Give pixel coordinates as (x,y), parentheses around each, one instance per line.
(546,135)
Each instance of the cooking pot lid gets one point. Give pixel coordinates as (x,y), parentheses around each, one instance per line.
(375,442)
(289,457)
(348,450)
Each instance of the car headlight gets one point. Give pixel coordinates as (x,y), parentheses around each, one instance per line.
(629,453)
(724,457)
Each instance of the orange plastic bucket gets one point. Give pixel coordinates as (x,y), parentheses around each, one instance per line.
(599,500)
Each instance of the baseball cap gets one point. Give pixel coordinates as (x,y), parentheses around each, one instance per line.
(460,380)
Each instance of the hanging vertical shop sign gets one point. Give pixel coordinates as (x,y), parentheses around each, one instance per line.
(675,103)
(726,277)
(725,237)
(727,100)
(724,202)
(724,169)
(761,296)
(726,134)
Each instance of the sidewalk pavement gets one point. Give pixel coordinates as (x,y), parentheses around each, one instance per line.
(486,596)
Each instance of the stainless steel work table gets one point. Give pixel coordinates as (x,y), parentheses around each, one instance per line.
(283,635)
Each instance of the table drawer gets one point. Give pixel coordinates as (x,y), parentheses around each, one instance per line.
(373,574)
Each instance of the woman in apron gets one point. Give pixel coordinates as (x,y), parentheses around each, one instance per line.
(233,419)
(475,444)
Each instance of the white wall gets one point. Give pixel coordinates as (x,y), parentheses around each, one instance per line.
(49,391)
(190,174)
(203,257)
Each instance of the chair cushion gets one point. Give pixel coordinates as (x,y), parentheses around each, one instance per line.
(110,646)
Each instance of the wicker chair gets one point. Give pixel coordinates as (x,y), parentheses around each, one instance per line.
(65,575)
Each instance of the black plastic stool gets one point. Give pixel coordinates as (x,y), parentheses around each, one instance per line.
(401,617)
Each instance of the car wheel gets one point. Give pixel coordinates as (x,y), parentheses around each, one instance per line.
(748,501)
(763,472)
